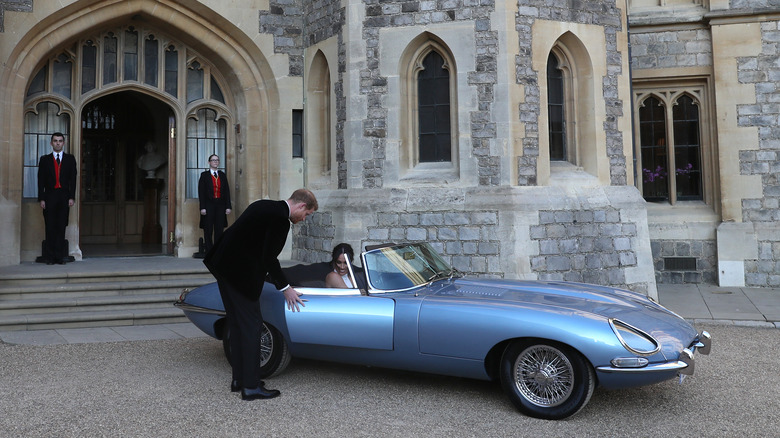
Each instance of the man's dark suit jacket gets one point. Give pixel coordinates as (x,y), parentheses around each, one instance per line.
(206,196)
(47,179)
(249,249)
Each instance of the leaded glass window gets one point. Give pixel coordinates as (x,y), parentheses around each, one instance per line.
(687,149)
(62,72)
(109,58)
(88,66)
(555,110)
(151,61)
(297,133)
(205,136)
(216,92)
(38,83)
(172,71)
(38,129)
(433,92)
(130,54)
(670,144)
(652,134)
(194,82)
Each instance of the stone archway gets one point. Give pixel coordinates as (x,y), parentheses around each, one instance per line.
(250,84)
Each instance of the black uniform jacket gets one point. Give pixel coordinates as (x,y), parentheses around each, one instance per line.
(206,195)
(249,249)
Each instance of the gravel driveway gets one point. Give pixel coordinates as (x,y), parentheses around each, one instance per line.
(179,388)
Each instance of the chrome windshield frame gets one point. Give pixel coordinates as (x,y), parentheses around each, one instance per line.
(421,249)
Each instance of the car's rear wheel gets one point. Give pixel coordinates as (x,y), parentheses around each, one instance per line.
(546,380)
(274,354)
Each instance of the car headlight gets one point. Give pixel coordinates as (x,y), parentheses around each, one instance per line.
(634,339)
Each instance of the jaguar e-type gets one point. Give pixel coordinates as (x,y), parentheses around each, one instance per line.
(549,343)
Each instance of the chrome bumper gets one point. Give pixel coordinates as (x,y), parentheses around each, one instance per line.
(190,308)
(683,365)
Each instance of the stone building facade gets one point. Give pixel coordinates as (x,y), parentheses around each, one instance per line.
(725,53)
(526,139)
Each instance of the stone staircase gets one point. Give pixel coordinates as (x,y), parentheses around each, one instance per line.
(116,292)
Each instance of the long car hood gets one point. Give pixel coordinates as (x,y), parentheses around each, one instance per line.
(630,307)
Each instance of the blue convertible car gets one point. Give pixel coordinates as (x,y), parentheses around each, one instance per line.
(549,343)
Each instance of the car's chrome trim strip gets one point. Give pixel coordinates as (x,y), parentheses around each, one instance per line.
(614,321)
(685,365)
(190,308)
(327,291)
(677,365)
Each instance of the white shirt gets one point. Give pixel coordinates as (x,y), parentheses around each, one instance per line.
(345,277)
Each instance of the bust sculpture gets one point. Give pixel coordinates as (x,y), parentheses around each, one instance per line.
(151,160)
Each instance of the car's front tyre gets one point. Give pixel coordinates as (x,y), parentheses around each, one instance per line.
(274,354)
(545,379)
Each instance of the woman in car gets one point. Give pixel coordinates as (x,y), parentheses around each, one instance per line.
(340,276)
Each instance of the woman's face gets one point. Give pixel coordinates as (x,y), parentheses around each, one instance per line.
(341,265)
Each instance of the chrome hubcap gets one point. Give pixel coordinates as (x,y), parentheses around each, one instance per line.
(544,376)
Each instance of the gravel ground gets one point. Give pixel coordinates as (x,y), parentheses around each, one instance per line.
(179,388)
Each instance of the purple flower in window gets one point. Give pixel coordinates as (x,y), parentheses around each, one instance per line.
(686,170)
(653,175)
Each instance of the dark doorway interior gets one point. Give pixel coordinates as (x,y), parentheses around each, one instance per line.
(124,199)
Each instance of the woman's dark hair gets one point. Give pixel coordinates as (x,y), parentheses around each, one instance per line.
(342,248)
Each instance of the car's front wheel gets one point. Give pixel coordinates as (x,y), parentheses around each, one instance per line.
(274,354)
(546,380)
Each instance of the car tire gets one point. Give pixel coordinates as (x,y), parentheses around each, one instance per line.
(274,354)
(546,380)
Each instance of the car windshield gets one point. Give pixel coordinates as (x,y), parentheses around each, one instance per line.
(404,266)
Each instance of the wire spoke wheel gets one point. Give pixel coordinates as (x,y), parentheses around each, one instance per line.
(544,376)
(274,354)
(266,345)
(546,379)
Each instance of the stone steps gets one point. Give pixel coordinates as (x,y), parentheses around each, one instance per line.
(83,319)
(125,292)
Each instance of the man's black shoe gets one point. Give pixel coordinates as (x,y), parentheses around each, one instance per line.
(236,387)
(259,393)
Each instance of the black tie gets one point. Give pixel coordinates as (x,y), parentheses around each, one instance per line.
(215,174)
(58,158)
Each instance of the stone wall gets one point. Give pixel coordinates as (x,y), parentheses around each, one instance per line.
(325,19)
(13,5)
(468,240)
(601,13)
(753,4)
(704,251)
(674,50)
(322,19)
(313,239)
(671,49)
(284,20)
(591,246)
(597,235)
(764,72)
(380,14)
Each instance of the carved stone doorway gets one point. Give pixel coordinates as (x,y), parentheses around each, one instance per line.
(124,173)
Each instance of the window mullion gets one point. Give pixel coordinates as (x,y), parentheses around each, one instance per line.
(670,158)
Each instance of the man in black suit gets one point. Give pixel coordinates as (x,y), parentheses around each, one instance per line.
(240,260)
(56,194)
(214,198)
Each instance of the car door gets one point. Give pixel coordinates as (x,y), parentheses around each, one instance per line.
(343,318)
